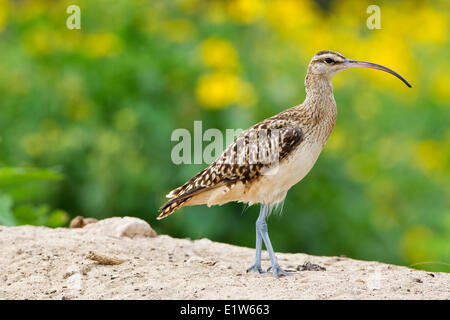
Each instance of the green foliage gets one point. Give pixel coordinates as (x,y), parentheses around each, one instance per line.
(14,176)
(16,183)
(40,215)
(102,102)
(6,215)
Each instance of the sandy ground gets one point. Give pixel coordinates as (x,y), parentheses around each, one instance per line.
(124,259)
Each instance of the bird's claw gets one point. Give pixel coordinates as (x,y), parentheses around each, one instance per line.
(256,268)
(277,271)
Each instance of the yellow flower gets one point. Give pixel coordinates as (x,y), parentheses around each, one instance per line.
(219,89)
(431,26)
(245,11)
(102,45)
(349,13)
(218,53)
(3,13)
(430,156)
(290,16)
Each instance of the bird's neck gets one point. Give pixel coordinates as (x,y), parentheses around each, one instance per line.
(319,102)
(318,86)
(319,93)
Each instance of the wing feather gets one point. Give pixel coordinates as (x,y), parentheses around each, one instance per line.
(259,148)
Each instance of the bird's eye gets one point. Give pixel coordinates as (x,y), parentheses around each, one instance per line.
(329,60)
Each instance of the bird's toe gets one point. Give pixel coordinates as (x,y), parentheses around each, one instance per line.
(278,272)
(257,268)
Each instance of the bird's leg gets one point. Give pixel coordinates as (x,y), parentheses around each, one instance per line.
(257,265)
(276,269)
(262,234)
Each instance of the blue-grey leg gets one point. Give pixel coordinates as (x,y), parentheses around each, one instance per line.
(261,229)
(257,265)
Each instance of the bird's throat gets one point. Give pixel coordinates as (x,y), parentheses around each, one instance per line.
(318,85)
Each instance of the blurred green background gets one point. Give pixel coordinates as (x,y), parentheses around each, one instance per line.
(86,117)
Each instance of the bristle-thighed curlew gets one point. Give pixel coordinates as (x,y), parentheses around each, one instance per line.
(266,160)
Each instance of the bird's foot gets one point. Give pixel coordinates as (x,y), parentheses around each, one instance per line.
(257,268)
(278,272)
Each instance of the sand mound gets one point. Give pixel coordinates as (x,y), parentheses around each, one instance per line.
(123,258)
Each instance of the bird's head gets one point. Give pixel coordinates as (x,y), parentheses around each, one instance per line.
(329,63)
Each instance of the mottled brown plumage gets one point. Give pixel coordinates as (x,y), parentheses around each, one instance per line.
(238,164)
(308,123)
(263,172)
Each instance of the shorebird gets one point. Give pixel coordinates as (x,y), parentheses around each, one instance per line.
(286,148)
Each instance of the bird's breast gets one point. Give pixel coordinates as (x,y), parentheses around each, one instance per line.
(272,187)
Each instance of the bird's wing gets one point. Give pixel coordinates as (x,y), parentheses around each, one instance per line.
(257,149)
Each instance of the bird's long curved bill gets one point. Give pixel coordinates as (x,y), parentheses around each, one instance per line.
(362,64)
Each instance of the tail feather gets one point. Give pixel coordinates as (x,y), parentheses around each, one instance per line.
(204,180)
(170,207)
(177,202)
(190,186)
